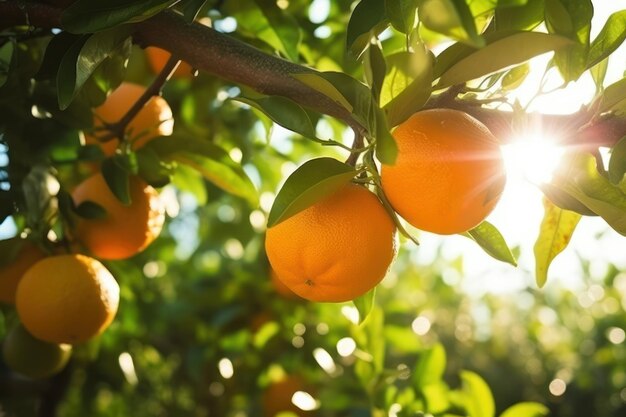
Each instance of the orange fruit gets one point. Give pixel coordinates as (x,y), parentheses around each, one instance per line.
(277,397)
(158,57)
(125,230)
(449,172)
(28,254)
(281,289)
(335,250)
(67,299)
(32,357)
(154,119)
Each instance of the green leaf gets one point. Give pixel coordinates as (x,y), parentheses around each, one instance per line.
(555,232)
(478,398)
(436,397)
(265,333)
(526,409)
(617,163)
(364,304)
(451,18)
(407,85)
(402,14)
(598,73)
(317,82)
(499,54)
(97,48)
(9,249)
(367,19)
(88,16)
(595,191)
(90,210)
(116,172)
(491,241)
(375,68)
(525,17)
(66,75)
(570,18)
(564,200)
(6,56)
(285,112)
(311,182)
(430,366)
(151,168)
(264,20)
(208,159)
(609,39)
(515,76)
(191,8)
(386,147)
(613,96)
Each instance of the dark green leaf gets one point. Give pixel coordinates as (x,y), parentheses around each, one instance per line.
(151,169)
(402,14)
(9,249)
(285,112)
(430,367)
(55,51)
(116,173)
(565,201)
(364,304)
(555,232)
(368,18)
(526,409)
(491,241)
(6,56)
(90,153)
(191,8)
(617,163)
(510,50)
(90,210)
(386,147)
(66,76)
(88,16)
(210,160)
(609,39)
(478,398)
(311,182)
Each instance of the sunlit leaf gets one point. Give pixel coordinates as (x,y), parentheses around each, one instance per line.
(364,304)
(491,241)
(311,182)
(210,160)
(526,409)
(285,112)
(617,163)
(515,76)
(407,85)
(319,83)
(401,14)
(555,232)
(609,39)
(452,18)
(613,96)
(499,54)
(88,16)
(368,17)
(430,366)
(374,67)
(524,17)
(478,398)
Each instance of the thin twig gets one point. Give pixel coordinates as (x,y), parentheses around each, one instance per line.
(357,144)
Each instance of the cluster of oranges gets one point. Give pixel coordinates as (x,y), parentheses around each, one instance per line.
(447,177)
(67,299)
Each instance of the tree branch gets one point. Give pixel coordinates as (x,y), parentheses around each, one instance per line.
(234,61)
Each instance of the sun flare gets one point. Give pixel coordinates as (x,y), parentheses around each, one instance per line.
(532,158)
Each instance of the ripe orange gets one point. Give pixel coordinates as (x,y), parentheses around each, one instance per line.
(335,250)
(11,273)
(125,230)
(281,289)
(277,397)
(154,119)
(449,172)
(32,357)
(67,299)
(158,57)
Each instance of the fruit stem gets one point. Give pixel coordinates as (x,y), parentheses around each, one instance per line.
(117,129)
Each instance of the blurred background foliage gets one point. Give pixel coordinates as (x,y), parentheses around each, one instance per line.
(202,331)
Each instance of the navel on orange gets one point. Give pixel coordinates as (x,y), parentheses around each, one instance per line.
(335,250)
(449,172)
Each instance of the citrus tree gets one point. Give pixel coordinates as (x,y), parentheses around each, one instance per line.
(202,198)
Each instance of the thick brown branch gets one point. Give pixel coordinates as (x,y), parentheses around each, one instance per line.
(237,62)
